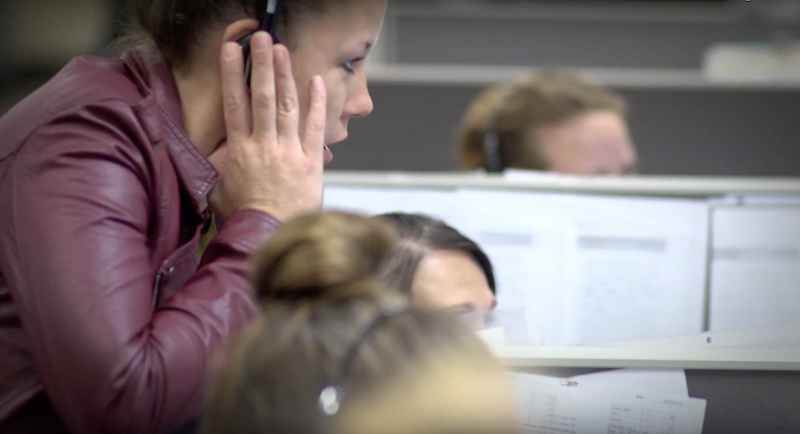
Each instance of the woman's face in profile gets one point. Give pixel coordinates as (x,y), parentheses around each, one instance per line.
(335,46)
(451,280)
(595,143)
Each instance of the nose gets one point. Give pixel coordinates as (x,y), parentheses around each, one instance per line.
(360,103)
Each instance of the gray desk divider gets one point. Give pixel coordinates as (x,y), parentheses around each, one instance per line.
(748,390)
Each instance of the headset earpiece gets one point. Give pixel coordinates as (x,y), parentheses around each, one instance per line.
(492,151)
(268,22)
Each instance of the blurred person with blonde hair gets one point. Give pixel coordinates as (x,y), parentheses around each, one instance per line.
(554,122)
(335,352)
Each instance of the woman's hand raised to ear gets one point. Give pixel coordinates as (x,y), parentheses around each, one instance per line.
(271,166)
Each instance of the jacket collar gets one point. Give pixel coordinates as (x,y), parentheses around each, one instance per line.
(155,77)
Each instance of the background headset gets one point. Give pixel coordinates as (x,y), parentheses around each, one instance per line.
(268,22)
(493,161)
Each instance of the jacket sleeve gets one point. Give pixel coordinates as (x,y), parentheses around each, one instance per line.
(81,276)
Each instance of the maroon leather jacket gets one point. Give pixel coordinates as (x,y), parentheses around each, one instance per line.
(107,321)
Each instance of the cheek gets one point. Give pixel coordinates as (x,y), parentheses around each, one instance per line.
(335,129)
(303,71)
(485,297)
(218,125)
(333,105)
(336,100)
(421,297)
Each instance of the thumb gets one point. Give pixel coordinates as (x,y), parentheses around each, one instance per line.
(219,158)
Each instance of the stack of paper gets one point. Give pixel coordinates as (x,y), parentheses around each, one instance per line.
(626,401)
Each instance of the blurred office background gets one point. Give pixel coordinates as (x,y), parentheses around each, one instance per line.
(689,115)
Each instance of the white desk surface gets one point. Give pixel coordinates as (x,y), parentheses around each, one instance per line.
(592,357)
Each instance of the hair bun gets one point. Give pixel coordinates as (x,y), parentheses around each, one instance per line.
(323,257)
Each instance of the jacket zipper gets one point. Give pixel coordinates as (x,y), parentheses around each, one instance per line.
(157,287)
(163,277)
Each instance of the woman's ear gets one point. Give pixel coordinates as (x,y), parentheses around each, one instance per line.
(239,29)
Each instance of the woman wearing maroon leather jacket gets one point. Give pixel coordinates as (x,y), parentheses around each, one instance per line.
(107,176)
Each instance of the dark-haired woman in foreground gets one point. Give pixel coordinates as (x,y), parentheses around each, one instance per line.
(438,266)
(107,175)
(337,353)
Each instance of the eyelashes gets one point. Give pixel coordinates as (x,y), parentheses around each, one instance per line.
(350,65)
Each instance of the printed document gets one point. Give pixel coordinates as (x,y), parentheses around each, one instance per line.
(548,405)
(755,268)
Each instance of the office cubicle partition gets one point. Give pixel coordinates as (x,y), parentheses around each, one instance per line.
(741,235)
(435,57)
(671,256)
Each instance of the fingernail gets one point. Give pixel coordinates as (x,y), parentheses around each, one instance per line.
(317,82)
(279,54)
(229,51)
(260,40)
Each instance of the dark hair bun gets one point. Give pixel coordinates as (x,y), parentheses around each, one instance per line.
(323,257)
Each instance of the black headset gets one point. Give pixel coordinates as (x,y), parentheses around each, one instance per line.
(268,22)
(492,151)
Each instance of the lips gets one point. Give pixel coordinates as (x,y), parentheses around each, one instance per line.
(327,155)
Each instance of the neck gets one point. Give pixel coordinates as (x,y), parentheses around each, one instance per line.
(201,108)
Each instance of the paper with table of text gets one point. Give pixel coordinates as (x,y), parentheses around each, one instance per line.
(548,405)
